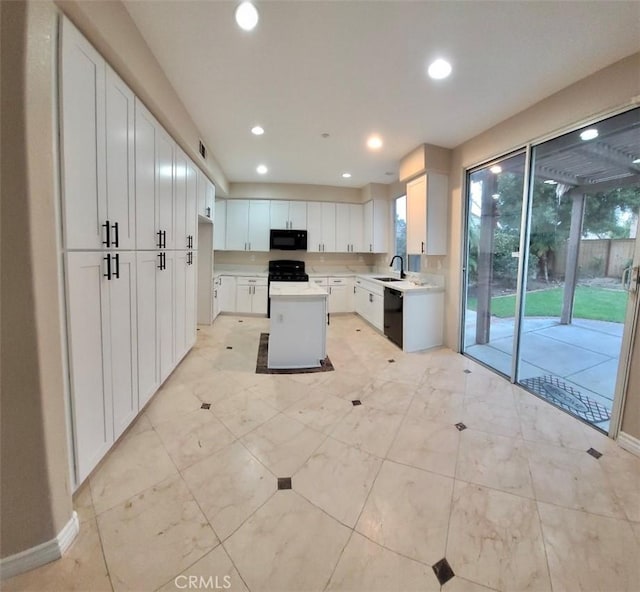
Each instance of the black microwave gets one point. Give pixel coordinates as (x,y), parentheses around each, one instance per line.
(288,240)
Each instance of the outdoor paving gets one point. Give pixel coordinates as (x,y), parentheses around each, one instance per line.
(584,354)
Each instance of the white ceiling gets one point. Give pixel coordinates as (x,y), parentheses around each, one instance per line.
(350,68)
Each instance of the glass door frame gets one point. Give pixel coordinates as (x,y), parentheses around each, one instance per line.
(632,316)
(525,216)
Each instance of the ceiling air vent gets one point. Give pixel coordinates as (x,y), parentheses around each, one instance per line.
(202,150)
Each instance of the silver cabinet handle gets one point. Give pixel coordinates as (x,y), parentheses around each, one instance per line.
(423,246)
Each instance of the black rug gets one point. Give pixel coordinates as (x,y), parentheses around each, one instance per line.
(261,363)
(563,395)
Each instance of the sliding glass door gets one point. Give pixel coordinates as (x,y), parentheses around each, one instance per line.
(493,237)
(579,288)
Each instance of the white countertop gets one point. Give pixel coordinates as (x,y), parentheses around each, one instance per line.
(405,285)
(296,289)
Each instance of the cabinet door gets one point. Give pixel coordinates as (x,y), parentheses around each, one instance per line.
(367,231)
(191,305)
(147,263)
(243,298)
(237,224)
(180,200)
(124,342)
(343,229)
(416,215)
(328,227)
(377,311)
(210,198)
(164,194)
(356,228)
(166,315)
(120,163)
(180,303)
(89,358)
(227,293)
(202,194)
(361,299)
(279,215)
(83,141)
(220,226)
(314,227)
(298,215)
(381,215)
(259,302)
(192,203)
(338,298)
(258,225)
(145,176)
(216,299)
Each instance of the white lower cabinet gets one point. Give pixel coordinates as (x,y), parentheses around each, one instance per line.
(185,302)
(148,276)
(251,295)
(369,302)
(101,315)
(166,314)
(227,293)
(340,294)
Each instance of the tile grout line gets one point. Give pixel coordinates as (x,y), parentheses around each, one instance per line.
(104,556)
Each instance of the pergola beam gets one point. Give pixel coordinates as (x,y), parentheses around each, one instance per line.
(573,255)
(630,181)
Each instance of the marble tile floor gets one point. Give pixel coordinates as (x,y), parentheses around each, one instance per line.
(380,492)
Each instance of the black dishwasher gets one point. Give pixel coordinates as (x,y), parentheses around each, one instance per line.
(393,315)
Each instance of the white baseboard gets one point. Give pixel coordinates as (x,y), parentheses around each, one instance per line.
(41,554)
(629,443)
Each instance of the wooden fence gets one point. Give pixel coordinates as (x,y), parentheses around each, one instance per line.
(598,257)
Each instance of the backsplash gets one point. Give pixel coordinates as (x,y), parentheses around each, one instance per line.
(312,260)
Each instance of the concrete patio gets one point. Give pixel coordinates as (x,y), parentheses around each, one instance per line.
(584,355)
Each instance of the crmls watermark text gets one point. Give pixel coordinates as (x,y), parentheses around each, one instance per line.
(203,583)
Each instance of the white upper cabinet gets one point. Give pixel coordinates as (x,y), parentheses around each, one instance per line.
(146,237)
(180,200)
(97,149)
(120,163)
(192,205)
(321,226)
(237,224)
(349,228)
(220,226)
(206,196)
(288,215)
(375,221)
(427,215)
(165,148)
(247,225)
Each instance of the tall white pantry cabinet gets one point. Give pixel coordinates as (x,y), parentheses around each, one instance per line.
(129,237)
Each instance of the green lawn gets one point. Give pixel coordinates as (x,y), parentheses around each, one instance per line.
(590,303)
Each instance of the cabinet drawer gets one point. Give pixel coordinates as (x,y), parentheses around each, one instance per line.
(318,281)
(340,281)
(252,281)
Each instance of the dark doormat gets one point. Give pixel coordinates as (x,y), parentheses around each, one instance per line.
(261,363)
(563,395)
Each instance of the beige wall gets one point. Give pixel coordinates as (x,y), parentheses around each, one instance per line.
(109,27)
(34,485)
(292,191)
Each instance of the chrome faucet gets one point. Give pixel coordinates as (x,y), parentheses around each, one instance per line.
(402,273)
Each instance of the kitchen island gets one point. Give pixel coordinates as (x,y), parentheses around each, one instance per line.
(298,332)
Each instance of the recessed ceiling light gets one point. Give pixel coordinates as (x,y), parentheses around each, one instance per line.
(246,16)
(589,134)
(551,182)
(257,130)
(496,169)
(636,161)
(262,169)
(346,175)
(496,196)
(374,142)
(439,69)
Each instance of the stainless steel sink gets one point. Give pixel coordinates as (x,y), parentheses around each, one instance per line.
(388,279)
